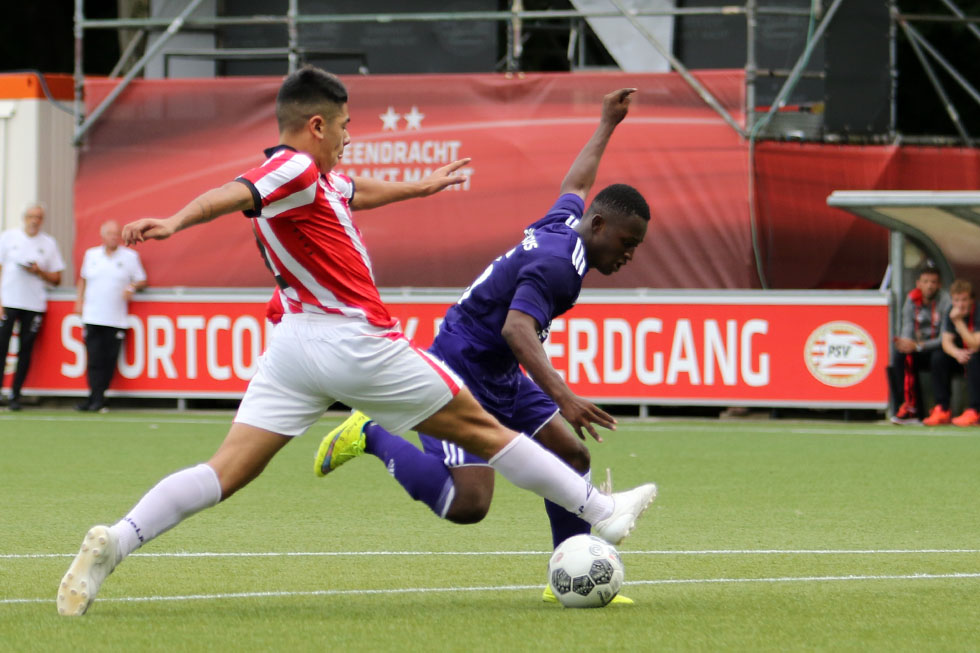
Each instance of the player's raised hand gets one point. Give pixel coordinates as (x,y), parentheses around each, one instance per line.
(616,105)
(582,414)
(444,177)
(147,228)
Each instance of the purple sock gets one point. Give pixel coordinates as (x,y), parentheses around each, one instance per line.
(564,524)
(425,477)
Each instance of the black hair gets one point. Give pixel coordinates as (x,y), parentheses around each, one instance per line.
(622,199)
(306,93)
(927,267)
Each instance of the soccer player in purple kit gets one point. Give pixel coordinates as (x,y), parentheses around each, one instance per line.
(336,340)
(498,325)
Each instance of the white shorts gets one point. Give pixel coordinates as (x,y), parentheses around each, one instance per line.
(315,360)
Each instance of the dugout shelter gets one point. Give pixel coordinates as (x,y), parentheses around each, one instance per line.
(944,224)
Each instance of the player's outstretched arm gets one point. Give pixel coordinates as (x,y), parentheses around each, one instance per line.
(521,333)
(371,193)
(581,175)
(233,196)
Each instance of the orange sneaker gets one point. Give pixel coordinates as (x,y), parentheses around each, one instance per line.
(938,416)
(968,418)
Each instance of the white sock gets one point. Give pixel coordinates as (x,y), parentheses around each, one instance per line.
(168,503)
(528,465)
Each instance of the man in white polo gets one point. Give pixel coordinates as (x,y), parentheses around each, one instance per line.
(109,276)
(29,263)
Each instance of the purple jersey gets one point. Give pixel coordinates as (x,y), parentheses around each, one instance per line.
(541,276)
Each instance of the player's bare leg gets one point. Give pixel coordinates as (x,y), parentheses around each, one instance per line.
(528,465)
(464,422)
(524,462)
(473,488)
(557,437)
(242,456)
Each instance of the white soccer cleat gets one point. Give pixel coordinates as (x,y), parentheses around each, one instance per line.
(94,562)
(627,508)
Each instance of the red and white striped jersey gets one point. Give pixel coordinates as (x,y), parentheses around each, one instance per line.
(309,240)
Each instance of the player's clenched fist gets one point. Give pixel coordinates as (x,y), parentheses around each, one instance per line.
(616,105)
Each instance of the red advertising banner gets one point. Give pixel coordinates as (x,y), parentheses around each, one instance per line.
(750,348)
(163,142)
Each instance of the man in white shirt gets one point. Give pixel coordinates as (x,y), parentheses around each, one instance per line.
(29,263)
(109,276)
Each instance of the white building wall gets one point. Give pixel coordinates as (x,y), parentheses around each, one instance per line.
(37,163)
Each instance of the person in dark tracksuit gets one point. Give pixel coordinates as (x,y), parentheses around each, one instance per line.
(917,341)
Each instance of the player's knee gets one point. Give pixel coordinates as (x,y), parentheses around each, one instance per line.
(469,506)
(467,513)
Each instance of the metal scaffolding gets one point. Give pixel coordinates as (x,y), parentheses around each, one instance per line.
(821,13)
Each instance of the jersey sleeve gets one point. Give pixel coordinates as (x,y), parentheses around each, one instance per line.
(548,282)
(343,184)
(280,184)
(55,263)
(947,324)
(136,271)
(568,207)
(908,319)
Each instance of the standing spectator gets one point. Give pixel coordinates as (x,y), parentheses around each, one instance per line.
(109,276)
(961,340)
(29,262)
(922,316)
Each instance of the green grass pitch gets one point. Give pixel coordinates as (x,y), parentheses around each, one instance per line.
(767,536)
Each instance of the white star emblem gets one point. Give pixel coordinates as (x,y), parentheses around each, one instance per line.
(413,119)
(390,119)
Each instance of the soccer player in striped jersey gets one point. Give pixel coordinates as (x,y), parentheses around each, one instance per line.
(499,325)
(336,341)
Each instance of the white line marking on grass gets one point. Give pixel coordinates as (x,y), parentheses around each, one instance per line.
(155,419)
(726,428)
(502,588)
(661,552)
(803,551)
(249,595)
(918,433)
(119,420)
(721,427)
(803,579)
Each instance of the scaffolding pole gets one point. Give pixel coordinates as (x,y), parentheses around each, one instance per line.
(513,18)
(151,52)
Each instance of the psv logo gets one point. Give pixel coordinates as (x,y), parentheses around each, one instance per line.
(839,354)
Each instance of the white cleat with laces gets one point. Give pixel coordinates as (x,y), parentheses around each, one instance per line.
(95,561)
(627,508)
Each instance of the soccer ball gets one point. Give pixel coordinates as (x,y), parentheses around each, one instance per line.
(585,572)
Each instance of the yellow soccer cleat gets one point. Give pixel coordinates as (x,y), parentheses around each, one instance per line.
(341,444)
(549,597)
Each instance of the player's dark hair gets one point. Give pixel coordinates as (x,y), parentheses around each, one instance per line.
(622,199)
(305,93)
